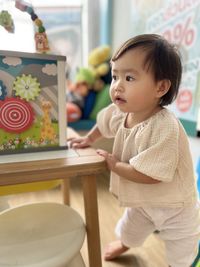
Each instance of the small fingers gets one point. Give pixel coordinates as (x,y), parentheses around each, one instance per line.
(102,153)
(75,142)
(80,143)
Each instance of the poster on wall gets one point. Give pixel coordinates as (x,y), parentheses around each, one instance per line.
(32,102)
(179,22)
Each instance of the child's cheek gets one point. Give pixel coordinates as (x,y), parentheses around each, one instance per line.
(111,93)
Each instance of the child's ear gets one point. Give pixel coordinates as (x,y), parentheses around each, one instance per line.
(163,87)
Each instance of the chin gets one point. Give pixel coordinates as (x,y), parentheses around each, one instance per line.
(122,109)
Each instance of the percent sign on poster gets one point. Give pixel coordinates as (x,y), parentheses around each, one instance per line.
(182,33)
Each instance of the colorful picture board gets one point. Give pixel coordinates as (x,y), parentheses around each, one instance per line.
(32,102)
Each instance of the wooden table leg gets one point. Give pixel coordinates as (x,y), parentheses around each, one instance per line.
(92,220)
(66,191)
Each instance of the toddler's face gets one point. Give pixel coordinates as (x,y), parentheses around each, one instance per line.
(133,88)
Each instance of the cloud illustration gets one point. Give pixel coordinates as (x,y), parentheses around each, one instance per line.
(50,69)
(12,61)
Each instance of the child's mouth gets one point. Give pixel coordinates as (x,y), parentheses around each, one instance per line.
(120,101)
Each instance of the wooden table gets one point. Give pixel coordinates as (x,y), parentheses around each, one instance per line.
(85,164)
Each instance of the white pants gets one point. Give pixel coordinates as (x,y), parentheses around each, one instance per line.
(179,229)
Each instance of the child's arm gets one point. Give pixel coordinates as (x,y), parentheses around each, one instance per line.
(87,140)
(126,170)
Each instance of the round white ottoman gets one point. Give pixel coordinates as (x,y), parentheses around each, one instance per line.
(41,235)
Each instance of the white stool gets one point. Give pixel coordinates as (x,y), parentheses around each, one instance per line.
(41,235)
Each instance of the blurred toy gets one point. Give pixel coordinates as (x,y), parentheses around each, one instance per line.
(85,77)
(6,21)
(41,40)
(77,93)
(74,113)
(84,81)
(99,63)
(81,95)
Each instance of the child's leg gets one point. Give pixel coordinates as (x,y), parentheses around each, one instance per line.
(132,230)
(181,253)
(181,234)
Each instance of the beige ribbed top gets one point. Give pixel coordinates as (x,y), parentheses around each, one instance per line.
(157,147)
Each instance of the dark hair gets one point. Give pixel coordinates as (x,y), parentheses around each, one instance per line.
(161,57)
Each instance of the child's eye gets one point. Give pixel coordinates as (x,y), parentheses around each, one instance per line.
(114,77)
(129,78)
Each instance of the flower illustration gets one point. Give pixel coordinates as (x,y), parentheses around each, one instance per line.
(26,87)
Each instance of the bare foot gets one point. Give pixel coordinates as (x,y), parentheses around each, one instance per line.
(114,249)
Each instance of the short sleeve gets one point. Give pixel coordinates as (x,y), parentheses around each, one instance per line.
(157,148)
(109,120)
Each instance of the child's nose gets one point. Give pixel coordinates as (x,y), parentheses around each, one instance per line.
(119,87)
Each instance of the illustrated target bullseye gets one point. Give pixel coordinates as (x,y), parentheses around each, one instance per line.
(16,115)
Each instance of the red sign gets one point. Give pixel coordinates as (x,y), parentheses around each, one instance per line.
(184,100)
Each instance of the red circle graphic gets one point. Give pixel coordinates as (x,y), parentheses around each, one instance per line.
(16,115)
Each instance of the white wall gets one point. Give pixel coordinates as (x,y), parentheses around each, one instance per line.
(121,22)
(91,27)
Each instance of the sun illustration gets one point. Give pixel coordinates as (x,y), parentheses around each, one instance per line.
(26,87)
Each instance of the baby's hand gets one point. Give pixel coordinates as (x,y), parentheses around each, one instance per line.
(81,142)
(110,159)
